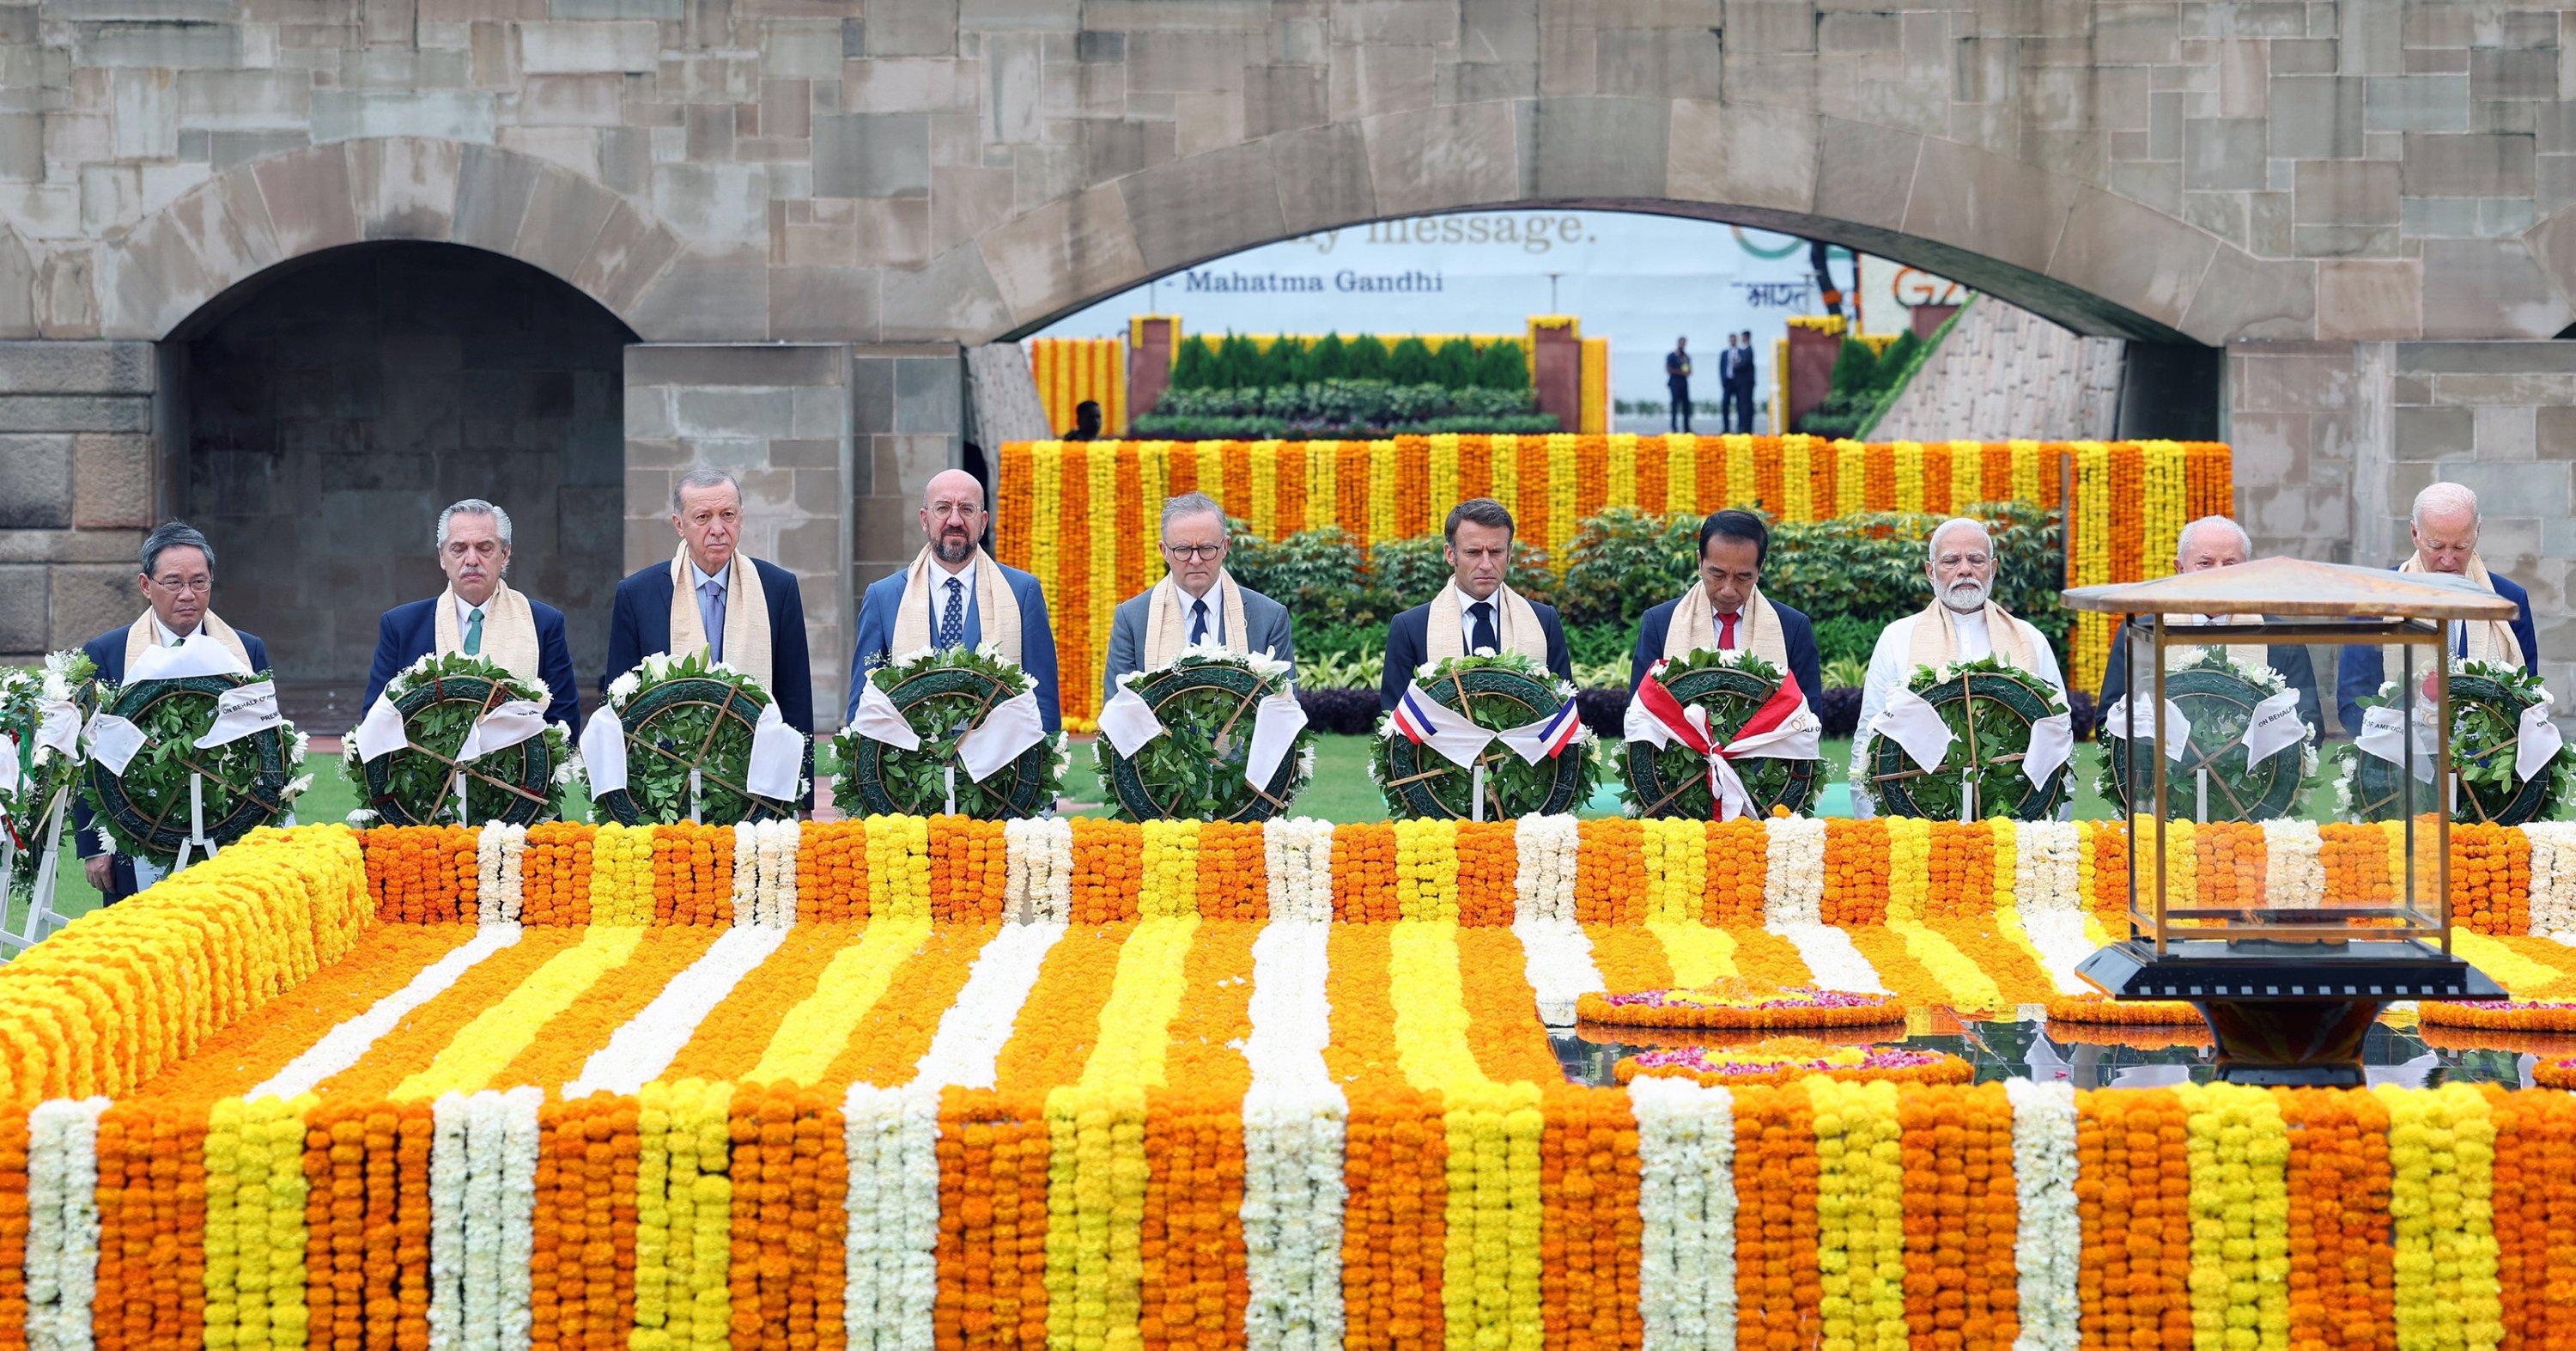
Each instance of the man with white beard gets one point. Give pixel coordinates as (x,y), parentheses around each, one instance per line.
(1961,624)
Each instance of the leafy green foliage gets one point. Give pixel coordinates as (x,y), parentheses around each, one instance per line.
(917,779)
(1513,786)
(679,716)
(42,774)
(1625,561)
(416,785)
(1855,368)
(1194,365)
(1409,362)
(2000,730)
(1680,777)
(1366,358)
(2487,701)
(1897,362)
(1453,365)
(1195,770)
(1503,365)
(1845,639)
(1326,358)
(1336,409)
(155,782)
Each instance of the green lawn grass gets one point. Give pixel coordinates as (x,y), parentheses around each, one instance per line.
(1341,793)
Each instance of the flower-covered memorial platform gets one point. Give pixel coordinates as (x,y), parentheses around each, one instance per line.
(938,1082)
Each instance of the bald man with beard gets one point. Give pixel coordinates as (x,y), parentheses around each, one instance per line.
(955,595)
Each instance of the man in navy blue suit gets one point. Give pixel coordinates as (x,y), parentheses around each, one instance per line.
(1476,612)
(2219,542)
(1727,610)
(742,611)
(178,584)
(955,595)
(2444,526)
(480,616)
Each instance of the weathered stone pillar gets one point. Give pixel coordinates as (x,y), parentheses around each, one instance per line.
(778,415)
(908,407)
(76,489)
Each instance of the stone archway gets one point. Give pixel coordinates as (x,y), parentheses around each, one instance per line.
(329,407)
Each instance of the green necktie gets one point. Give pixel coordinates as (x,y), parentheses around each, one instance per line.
(474,632)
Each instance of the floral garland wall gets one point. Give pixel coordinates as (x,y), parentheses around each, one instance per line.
(1078,515)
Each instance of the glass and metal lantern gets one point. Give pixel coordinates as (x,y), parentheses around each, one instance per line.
(2289,983)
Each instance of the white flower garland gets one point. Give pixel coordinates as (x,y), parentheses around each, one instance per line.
(448,1169)
(500,859)
(2553,876)
(2059,939)
(343,1045)
(1543,888)
(779,841)
(1297,862)
(62,1222)
(517,1223)
(2046,877)
(638,1052)
(1556,957)
(746,873)
(2294,867)
(1038,854)
(482,1205)
(1793,881)
(890,1256)
(1686,1202)
(969,1041)
(1294,1124)
(1831,957)
(2048,1239)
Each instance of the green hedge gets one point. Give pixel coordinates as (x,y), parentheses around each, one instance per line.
(1236,362)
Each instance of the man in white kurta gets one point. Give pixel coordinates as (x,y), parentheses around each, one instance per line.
(1962,624)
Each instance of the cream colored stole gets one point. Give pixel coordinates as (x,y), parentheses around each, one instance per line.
(2488,640)
(996,609)
(145,633)
(1445,631)
(1167,624)
(1694,627)
(746,629)
(2255,655)
(509,633)
(1935,640)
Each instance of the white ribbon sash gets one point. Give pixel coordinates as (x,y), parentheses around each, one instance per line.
(58,726)
(879,720)
(2052,744)
(382,733)
(512,722)
(203,657)
(1453,734)
(777,756)
(2275,727)
(603,751)
(1129,722)
(113,741)
(240,711)
(2131,719)
(1275,725)
(1008,728)
(2536,742)
(1911,721)
(2383,735)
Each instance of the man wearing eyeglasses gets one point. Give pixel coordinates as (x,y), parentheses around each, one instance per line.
(1962,623)
(1197,604)
(178,585)
(480,616)
(955,595)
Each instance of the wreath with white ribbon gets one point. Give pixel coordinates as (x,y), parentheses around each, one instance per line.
(41,712)
(190,754)
(451,726)
(1973,739)
(2235,746)
(954,730)
(688,739)
(1211,735)
(2509,760)
(1714,735)
(1488,738)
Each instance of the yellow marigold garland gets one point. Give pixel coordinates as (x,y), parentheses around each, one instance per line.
(2441,1157)
(1860,1212)
(1426,870)
(1170,885)
(898,867)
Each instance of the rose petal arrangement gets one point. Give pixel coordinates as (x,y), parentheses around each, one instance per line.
(1739,1003)
(908,1082)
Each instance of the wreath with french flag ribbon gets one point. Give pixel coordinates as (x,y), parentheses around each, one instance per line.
(1489,738)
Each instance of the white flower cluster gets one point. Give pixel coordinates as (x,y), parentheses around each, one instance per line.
(764,872)
(62,1222)
(2553,878)
(1686,1201)
(1298,852)
(2048,1236)
(1557,962)
(1831,956)
(2294,865)
(1793,879)
(890,1253)
(500,856)
(1294,1122)
(2047,877)
(969,1041)
(1543,888)
(1039,856)
(482,1217)
(1261,664)
(645,1044)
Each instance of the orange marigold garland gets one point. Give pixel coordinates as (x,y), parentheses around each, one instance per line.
(1364,872)
(1738,863)
(1741,1003)
(2097,1010)
(1591,1236)
(1960,1218)
(832,873)
(1610,873)
(1778,1286)
(1856,864)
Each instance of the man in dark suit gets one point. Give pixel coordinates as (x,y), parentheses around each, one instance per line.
(1727,610)
(1476,612)
(1087,420)
(2444,526)
(1738,382)
(178,583)
(743,611)
(1677,372)
(2218,542)
(1197,604)
(479,615)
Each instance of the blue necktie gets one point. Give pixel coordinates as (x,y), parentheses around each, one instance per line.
(1484,638)
(711,606)
(952,621)
(1198,621)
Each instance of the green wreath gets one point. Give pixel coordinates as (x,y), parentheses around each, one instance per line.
(681,714)
(1989,708)
(1496,693)
(2487,702)
(249,782)
(1195,770)
(944,694)
(2217,694)
(439,697)
(1732,686)
(43,774)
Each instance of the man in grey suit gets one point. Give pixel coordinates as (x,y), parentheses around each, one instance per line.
(1197,605)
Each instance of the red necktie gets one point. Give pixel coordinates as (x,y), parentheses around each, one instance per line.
(1726,631)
